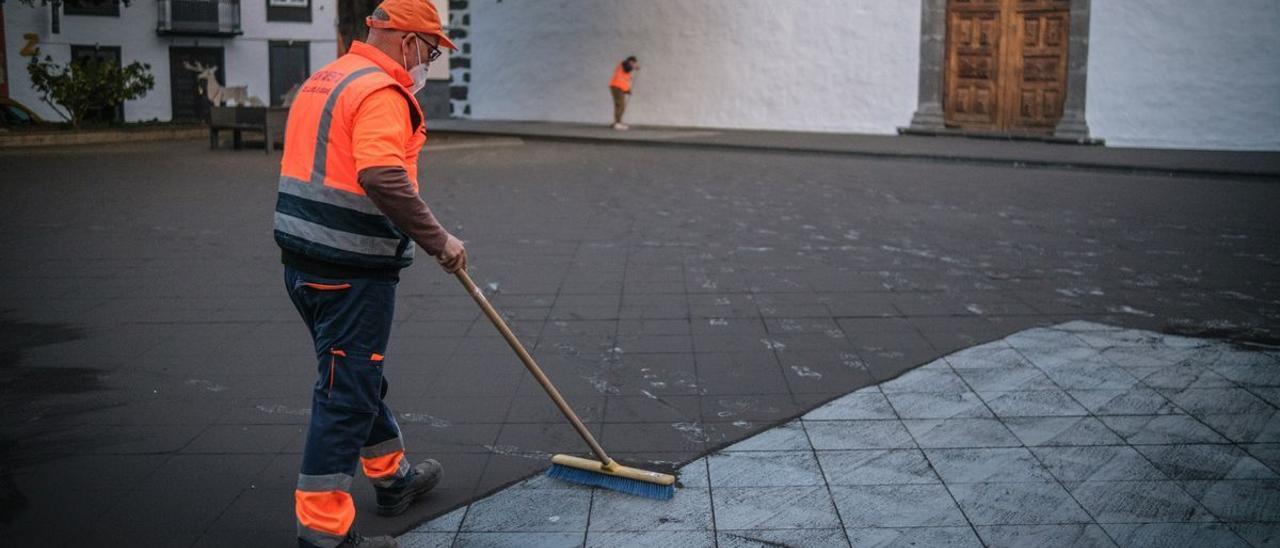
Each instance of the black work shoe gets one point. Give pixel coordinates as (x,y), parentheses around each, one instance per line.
(394,500)
(354,540)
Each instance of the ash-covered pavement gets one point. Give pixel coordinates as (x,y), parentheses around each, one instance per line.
(156,379)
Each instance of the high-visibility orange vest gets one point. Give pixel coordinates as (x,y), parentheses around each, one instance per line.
(621,79)
(321,210)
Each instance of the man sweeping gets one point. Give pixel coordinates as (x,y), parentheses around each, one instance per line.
(348,215)
(620,88)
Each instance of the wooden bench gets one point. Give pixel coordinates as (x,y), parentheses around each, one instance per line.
(269,121)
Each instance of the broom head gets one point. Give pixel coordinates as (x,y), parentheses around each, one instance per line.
(615,477)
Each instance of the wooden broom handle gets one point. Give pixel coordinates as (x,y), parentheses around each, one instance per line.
(532,366)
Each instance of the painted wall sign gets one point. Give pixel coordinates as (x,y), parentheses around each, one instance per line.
(29,49)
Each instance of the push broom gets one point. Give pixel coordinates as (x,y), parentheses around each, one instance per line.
(605,472)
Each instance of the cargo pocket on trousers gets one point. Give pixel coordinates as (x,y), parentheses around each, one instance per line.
(355,381)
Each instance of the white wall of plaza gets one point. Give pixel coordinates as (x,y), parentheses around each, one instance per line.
(1185,73)
(1161,73)
(134,32)
(824,65)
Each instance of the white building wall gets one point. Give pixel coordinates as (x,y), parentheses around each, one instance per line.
(1185,73)
(135,33)
(817,65)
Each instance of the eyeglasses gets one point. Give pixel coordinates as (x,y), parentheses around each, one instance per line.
(434,52)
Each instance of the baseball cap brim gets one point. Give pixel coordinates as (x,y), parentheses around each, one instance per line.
(410,26)
(444,40)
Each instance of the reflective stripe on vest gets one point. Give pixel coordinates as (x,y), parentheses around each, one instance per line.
(331,224)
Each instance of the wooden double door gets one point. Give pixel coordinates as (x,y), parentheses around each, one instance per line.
(1006,65)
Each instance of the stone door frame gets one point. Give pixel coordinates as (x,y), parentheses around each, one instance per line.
(933,54)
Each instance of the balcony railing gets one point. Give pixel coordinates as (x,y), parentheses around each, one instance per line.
(199,17)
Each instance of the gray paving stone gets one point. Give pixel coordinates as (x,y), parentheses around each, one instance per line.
(694,474)
(987,465)
(1138,502)
(1162,429)
(647,539)
(863,404)
(1266,453)
(1017,503)
(1270,393)
(1033,403)
(1045,338)
(773,538)
(1238,500)
(1250,428)
(450,522)
(1205,462)
(526,510)
(1137,400)
(1158,355)
(1090,377)
(764,469)
(1052,431)
(1181,376)
(774,508)
(1044,536)
(876,467)
(926,379)
(1258,534)
(961,433)
(1123,337)
(895,506)
(991,355)
(1220,401)
(861,434)
(1097,463)
(1085,326)
(523,539)
(788,437)
(427,540)
(689,510)
(947,537)
(1005,379)
(1065,355)
(938,405)
(1248,369)
(1156,535)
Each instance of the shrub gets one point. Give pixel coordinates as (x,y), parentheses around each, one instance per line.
(85,84)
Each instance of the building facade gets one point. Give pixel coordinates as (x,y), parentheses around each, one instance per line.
(1147,73)
(266,45)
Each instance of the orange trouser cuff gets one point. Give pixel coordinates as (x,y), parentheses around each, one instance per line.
(382,466)
(330,512)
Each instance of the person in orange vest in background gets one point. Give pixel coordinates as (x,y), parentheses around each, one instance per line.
(348,216)
(620,87)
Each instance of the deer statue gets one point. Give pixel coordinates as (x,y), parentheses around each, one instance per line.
(217,93)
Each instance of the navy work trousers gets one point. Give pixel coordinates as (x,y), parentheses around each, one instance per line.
(350,324)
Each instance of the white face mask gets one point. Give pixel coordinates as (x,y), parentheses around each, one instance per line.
(418,72)
(419,75)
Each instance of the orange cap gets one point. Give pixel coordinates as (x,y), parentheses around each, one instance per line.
(409,16)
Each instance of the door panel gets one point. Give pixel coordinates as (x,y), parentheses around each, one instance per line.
(1006,64)
(1039,65)
(187,96)
(290,66)
(973,68)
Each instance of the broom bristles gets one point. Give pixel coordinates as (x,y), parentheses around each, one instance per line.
(612,483)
